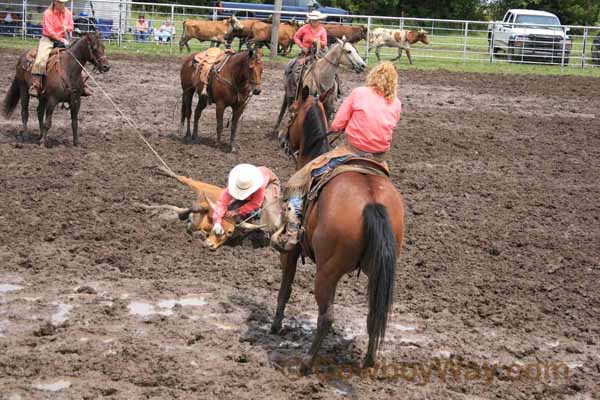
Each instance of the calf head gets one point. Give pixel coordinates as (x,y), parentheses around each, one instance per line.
(201,222)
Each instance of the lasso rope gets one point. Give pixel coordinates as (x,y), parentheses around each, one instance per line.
(129,120)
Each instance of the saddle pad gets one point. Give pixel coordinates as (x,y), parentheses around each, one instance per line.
(336,166)
(30,57)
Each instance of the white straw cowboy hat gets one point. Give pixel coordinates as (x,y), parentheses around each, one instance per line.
(315,15)
(63,1)
(244,179)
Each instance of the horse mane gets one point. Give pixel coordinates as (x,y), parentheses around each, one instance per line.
(315,134)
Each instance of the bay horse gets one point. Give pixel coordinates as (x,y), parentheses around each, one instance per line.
(321,77)
(231,86)
(62,84)
(356,222)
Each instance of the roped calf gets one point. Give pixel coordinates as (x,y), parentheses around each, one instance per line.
(399,38)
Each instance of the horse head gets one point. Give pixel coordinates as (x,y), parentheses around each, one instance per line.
(307,133)
(96,50)
(349,56)
(255,68)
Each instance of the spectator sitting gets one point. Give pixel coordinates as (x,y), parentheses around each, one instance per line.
(141,29)
(165,32)
(8,23)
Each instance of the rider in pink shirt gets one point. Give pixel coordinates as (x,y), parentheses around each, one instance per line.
(368,120)
(368,117)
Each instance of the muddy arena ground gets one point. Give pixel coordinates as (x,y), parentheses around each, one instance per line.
(498,282)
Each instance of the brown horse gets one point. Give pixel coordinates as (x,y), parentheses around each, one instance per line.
(231,86)
(357,222)
(62,84)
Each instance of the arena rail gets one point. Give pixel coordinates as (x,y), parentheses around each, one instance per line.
(450,41)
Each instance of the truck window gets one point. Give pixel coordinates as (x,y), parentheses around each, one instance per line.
(537,20)
(506,17)
(511,18)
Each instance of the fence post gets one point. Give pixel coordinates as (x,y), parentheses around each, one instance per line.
(120,29)
(564,46)
(174,29)
(24,20)
(465,42)
(491,44)
(368,36)
(585,37)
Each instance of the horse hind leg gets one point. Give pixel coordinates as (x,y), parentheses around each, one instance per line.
(325,286)
(74,108)
(50,105)
(289,262)
(24,107)
(186,113)
(202,103)
(41,110)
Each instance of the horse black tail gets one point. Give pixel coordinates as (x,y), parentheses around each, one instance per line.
(12,99)
(379,261)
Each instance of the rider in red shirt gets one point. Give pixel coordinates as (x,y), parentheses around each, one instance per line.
(248,189)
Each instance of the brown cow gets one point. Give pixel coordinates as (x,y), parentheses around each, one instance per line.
(213,31)
(353,33)
(198,217)
(243,34)
(261,35)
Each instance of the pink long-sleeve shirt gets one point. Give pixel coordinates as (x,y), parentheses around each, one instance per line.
(305,36)
(55,23)
(253,202)
(368,119)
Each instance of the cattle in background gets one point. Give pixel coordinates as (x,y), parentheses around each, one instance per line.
(243,34)
(261,35)
(213,31)
(198,218)
(353,33)
(396,38)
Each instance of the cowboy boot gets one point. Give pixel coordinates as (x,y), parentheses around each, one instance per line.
(36,85)
(287,240)
(86,91)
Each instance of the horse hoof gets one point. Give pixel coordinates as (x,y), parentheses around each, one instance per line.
(233,149)
(275,328)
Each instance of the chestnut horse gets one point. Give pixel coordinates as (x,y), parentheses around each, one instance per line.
(232,87)
(357,222)
(62,84)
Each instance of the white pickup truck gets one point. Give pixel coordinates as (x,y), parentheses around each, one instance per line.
(529,35)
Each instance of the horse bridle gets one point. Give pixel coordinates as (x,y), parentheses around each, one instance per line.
(93,59)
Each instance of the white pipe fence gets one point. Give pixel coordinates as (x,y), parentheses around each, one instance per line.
(463,41)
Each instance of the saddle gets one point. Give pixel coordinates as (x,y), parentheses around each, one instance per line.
(53,59)
(206,61)
(324,174)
